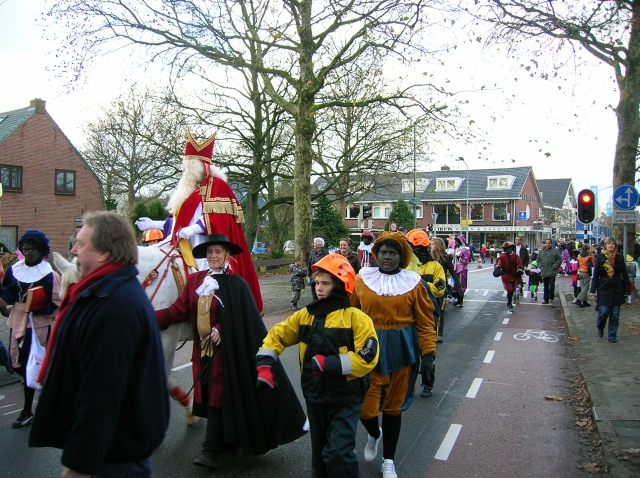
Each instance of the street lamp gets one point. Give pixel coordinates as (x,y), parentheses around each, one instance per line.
(467,211)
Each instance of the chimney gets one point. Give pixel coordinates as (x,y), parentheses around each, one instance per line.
(39,105)
(445,168)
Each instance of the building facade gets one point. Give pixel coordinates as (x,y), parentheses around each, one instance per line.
(502,204)
(46,183)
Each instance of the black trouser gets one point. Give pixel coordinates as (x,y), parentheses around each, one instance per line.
(333,438)
(429,376)
(549,288)
(213,439)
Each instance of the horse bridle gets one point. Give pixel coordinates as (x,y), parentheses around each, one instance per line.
(172,258)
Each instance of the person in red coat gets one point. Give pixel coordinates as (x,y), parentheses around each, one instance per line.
(512,271)
(229,331)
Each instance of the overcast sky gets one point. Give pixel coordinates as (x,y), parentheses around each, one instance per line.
(524,118)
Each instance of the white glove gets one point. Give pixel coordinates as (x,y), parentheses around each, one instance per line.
(144,224)
(187,232)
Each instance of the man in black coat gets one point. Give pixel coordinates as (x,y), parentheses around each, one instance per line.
(104,400)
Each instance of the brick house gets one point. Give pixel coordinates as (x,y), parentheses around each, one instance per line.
(46,183)
(503,203)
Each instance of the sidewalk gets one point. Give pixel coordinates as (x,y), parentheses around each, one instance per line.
(612,375)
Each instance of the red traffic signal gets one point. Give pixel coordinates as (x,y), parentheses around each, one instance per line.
(586,206)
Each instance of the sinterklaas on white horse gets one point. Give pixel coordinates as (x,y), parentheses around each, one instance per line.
(162,273)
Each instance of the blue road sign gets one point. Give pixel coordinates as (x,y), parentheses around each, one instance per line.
(625,197)
(608,209)
(522,215)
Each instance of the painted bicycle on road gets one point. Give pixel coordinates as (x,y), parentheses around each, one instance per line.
(536,334)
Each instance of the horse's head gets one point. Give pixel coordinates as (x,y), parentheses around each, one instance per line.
(68,270)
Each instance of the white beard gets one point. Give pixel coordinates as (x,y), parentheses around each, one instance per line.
(192,177)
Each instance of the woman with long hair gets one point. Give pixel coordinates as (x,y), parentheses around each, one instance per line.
(611,282)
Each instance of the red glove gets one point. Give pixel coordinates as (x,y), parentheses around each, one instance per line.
(317,364)
(265,377)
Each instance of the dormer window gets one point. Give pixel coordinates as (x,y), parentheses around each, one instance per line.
(421,185)
(500,182)
(448,184)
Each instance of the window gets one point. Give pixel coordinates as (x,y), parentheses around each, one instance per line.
(500,182)
(353,212)
(65,182)
(418,211)
(477,212)
(500,212)
(448,184)
(8,238)
(11,177)
(2,118)
(447,213)
(421,185)
(382,212)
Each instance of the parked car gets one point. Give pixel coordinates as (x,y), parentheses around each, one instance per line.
(259,248)
(289,247)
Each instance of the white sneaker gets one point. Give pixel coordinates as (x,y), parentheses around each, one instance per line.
(371,450)
(388,469)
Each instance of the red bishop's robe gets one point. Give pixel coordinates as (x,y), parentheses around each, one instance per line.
(222,214)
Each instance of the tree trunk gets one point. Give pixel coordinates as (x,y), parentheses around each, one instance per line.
(304,129)
(624,166)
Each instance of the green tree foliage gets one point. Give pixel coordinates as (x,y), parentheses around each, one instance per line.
(327,222)
(153,210)
(402,215)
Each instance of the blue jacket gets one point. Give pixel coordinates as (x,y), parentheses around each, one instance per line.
(105,396)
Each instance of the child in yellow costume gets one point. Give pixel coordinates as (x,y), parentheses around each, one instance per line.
(338,349)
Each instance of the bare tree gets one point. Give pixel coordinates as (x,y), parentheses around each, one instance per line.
(298,44)
(135,147)
(608,30)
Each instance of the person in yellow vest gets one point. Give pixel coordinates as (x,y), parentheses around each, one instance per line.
(433,275)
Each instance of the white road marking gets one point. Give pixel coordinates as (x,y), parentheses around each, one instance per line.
(10,405)
(498,336)
(175,369)
(15,411)
(489,357)
(505,321)
(448,441)
(486,292)
(475,386)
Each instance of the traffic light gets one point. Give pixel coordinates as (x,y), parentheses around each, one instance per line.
(586,206)
(430,227)
(366,211)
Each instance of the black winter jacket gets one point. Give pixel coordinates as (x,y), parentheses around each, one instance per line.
(105,396)
(610,291)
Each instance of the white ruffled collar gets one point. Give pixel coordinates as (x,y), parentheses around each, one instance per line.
(209,286)
(389,284)
(365,247)
(30,274)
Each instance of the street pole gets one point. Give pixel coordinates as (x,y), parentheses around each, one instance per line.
(467,211)
(414,177)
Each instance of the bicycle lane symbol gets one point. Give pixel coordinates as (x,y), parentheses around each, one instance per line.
(536,334)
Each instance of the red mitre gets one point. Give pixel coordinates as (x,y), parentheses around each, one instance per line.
(202,151)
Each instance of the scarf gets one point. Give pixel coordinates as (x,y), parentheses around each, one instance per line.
(608,263)
(72,293)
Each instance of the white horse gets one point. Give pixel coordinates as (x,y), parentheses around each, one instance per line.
(160,271)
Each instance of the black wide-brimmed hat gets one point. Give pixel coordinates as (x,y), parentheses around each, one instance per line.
(200,251)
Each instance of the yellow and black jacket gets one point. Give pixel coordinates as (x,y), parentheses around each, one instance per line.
(433,274)
(348,340)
